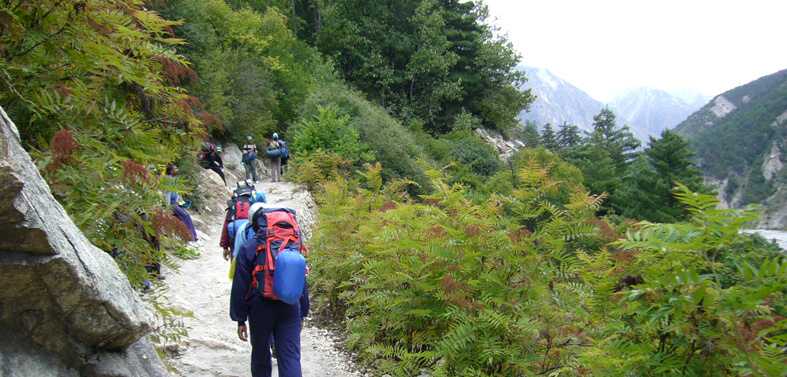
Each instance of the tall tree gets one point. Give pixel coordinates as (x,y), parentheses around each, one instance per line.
(604,157)
(530,135)
(647,192)
(620,142)
(426,60)
(568,135)
(548,138)
(254,72)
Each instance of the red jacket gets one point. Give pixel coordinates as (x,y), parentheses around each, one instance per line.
(225,241)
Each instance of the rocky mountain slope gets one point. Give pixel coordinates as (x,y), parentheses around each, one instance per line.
(740,138)
(558,101)
(655,110)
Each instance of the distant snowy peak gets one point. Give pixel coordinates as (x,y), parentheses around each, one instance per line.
(647,111)
(547,77)
(557,101)
(656,110)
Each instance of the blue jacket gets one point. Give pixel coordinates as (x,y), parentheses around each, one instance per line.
(243,291)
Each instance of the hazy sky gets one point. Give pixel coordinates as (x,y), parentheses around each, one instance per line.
(606,46)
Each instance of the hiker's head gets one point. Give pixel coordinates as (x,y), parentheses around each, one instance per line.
(258,197)
(172,169)
(218,150)
(275,136)
(249,139)
(255,214)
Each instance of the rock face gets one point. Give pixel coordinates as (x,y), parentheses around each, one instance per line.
(557,101)
(505,148)
(62,298)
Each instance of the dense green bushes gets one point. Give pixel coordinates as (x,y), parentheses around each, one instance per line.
(253,72)
(521,285)
(393,145)
(100,81)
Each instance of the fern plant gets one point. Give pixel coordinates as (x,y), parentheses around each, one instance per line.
(677,317)
(450,285)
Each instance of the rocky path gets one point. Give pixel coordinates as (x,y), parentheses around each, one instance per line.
(202,285)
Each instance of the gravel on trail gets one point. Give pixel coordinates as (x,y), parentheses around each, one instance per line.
(202,286)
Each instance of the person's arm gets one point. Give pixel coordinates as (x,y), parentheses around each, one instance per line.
(167,197)
(241,283)
(225,242)
(304,301)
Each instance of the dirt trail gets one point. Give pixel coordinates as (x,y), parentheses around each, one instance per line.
(202,285)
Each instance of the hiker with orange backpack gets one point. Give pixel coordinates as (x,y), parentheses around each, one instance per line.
(269,290)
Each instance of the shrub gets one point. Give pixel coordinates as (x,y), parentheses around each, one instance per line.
(393,145)
(330,133)
(501,288)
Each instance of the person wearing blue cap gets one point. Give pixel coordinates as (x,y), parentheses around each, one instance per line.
(249,155)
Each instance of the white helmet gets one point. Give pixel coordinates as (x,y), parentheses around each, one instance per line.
(254,208)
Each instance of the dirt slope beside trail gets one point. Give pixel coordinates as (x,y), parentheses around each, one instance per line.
(202,285)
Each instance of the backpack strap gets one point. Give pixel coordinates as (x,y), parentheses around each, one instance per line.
(257,268)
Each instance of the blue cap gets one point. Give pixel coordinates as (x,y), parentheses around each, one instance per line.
(275,135)
(258,197)
(249,137)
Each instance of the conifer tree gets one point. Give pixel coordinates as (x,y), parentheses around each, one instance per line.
(618,141)
(425,60)
(530,135)
(568,135)
(647,192)
(548,138)
(604,157)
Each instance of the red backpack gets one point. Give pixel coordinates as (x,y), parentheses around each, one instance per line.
(205,150)
(280,270)
(238,207)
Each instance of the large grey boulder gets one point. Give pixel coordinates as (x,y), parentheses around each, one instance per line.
(231,155)
(232,162)
(505,148)
(57,290)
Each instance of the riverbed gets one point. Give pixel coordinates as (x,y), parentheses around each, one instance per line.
(772,235)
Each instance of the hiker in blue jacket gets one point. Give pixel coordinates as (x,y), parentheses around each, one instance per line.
(266,317)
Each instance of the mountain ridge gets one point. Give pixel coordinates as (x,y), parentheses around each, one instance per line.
(647,111)
(655,109)
(739,138)
(557,101)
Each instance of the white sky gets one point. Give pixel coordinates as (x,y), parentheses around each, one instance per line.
(606,46)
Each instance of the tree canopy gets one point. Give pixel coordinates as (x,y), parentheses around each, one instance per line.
(425,60)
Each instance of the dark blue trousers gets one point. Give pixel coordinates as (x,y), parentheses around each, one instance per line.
(275,317)
(186,218)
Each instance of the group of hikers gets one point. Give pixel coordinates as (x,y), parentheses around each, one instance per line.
(277,152)
(268,265)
